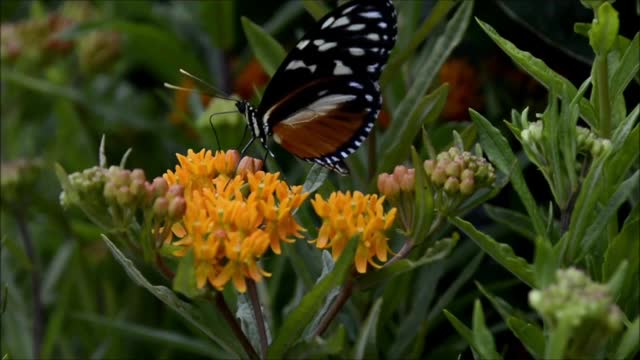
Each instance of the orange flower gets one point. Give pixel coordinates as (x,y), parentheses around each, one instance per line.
(251,77)
(346,216)
(464,89)
(230,223)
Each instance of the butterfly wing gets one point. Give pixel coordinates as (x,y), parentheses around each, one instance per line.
(327,80)
(326,120)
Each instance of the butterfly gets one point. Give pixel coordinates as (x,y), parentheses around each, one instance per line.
(324,98)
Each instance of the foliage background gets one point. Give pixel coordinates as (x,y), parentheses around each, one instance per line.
(59,98)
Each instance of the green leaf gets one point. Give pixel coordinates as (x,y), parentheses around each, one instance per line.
(582,215)
(367,336)
(502,253)
(514,220)
(499,152)
(461,328)
(318,347)
(185,280)
(624,129)
(295,323)
(545,264)
(630,342)
(627,68)
(218,19)
(531,336)
(156,336)
(557,340)
(424,211)
(439,250)
(186,310)
(604,29)
(485,344)
(504,308)
(267,49)
(436,15)
(541,72)
(317,9)
(397,145)
(599,225)
(315,178)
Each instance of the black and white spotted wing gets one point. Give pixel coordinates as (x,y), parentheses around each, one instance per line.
(324,98)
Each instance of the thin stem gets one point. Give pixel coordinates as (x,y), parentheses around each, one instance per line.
(237,331)
(603,95)
(402,253)
(257,314)
(372,155)
(166,271)
(333,311)
(38,309)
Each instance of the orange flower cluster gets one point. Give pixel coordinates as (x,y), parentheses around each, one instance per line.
(347,215)
(231,221)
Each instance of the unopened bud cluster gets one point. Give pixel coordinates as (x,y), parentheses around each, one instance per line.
(459,172)
(124,188)
(576,299)
(402,179)
(129,189)
(248,165)
(587,141)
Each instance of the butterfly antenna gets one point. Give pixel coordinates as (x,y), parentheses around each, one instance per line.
(209,85)
(215,133)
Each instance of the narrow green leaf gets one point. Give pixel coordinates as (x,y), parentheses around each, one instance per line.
(185,280)
(499,152)
(156,336)
(624,247)
(541,72)
(315,178)
(424,211)
(437,14)
(616,282)
(54,271)
(604,29)
(295,323)
(367,337)
(624,129)
(317,9)
(501,253)
(218,19)
(439,250)
(531,336)
(599,225)
(267,49)
(485,344)
(545,264)
(318,347)
(514,220)
(186,310)
(557,341)
(627,68)
(504,308)
(396,146)
(630,343)
(585,205)
(461,328)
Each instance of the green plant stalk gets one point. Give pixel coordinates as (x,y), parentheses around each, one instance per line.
(333,311)
(602,73)
(257,314)
(222,306)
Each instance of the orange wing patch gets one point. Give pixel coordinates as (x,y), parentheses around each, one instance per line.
(320,135)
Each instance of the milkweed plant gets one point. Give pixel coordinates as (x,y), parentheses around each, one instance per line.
(262,262)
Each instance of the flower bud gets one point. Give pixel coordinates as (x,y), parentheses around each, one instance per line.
(429,165)
(453,169)
(137,188)
(387,186)
(138,175)
(408,181)
(123,196)
(159,186)
(160,207)
(452,185)
(454,151)
(398,173)
(249,164)
(177,208)
(175,191)
(439,175)
(467,174)
(232,157)
(467,186)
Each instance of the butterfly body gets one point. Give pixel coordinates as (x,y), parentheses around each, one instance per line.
(324,98)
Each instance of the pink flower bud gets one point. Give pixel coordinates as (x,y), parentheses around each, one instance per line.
(249,165)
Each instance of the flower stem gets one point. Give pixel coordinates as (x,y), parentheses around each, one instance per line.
(603,95)
(257,313)
(233,324)
(402,253)
(38,309)
(333,311)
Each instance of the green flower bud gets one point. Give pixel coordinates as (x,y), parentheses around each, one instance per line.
(439,175)
(429,165)
(124,196)
(467,186)
(467,174)
(454,151)
(160,207)
(453,169)
(452,185)
(160,186)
